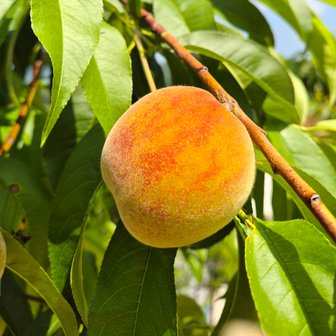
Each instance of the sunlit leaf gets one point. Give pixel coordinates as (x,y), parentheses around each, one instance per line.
(69,31)
(295,12)
(307,156)
(291,269)
(11,13)
(107,81)
(168,14)
(198,15)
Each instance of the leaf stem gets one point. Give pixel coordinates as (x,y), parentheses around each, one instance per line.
(24,109)
(258,135)
(144,62)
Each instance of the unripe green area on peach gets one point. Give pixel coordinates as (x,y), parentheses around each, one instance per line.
(3,255)
(179,165)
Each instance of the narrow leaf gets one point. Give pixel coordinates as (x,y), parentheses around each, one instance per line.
(69,31)
(291,268)
(107,81)
(77,281)
(322,44)
(135,294)
(20,262)
(14,308)
(77,184)
(134,7)
(250,19)
(295,12)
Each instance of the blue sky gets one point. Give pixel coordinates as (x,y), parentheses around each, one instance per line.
(287,42)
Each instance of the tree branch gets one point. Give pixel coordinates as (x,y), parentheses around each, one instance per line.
(12,136)
(278,163)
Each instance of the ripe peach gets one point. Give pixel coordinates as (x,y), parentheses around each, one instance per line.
(179,165)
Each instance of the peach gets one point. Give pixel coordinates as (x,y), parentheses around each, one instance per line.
(179,165)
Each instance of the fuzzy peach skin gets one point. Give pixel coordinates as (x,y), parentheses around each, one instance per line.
(179,165)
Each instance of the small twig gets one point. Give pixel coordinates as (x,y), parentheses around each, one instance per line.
(12,136)
(278,163)
(144,62)
(35,298)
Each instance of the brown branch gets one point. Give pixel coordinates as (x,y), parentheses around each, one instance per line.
(13,134)
(278,163)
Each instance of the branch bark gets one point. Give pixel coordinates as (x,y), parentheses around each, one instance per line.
(25,107)
(278,163)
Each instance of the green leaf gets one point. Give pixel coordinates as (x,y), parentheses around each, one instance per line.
(167,13)
(250,19)
(20,262)
(78,182)
(308,156)
(69,129)
(77,280)
(134,7)
(107,81)
(69,31)
(263,165)
(135,294)
(5,6)
(323,125)
(191,317)
(12,13)
(320,41)
(7,10)
(295,12)
(291,268)
(322,44)
(14,309)
(199,15)
(238,299)
(33,198)
(252,61)
(330,2)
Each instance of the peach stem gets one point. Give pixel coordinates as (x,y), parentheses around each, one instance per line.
(258,135)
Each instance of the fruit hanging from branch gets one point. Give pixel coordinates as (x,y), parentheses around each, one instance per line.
(179,165)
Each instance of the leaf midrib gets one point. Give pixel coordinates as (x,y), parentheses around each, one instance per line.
(141,290)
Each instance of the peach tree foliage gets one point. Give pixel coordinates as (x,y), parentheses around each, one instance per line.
(71,267)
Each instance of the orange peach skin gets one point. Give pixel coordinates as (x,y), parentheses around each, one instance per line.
(179,165)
